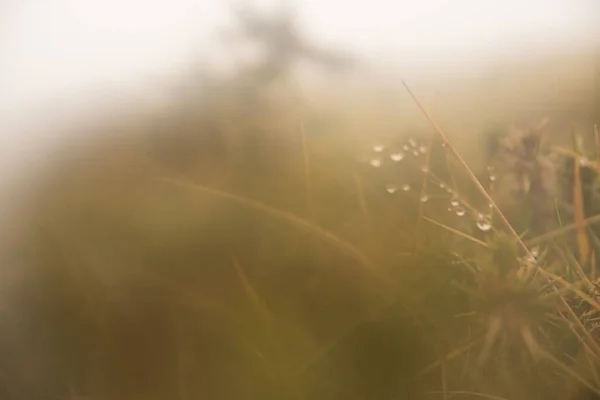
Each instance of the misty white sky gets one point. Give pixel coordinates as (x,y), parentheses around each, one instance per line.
(60,52)
(62,49)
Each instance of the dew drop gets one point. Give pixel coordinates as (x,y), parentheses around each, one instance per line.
(378,148)
(424,198)
(425,169)
(412,142)
(397,156)
(416,153)
(460,211)
(375,162)
(423,149)
(491,205)
(454,203)
(483,223)
(535,252)
(406,188)
(442,186)
(405,147)
(391,188)
(530,259)
(492,177)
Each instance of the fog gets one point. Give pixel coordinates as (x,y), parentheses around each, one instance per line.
(62,57)
(57,49)
(201,202)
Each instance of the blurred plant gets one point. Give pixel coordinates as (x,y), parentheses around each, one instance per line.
(528,318)
(232,261)
(526,186)
(282,43)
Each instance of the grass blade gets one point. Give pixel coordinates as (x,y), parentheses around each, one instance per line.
(291,219)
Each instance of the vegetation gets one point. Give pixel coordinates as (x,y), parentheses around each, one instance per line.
(235,247)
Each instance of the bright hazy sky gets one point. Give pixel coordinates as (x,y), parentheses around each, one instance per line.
(52,49)
(58,52)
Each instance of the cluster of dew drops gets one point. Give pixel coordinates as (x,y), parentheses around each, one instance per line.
(410,149)
(414,149)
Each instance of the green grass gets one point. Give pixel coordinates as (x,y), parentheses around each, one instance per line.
(224,253)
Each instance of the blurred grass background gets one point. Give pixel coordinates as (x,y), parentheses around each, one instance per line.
(235,241)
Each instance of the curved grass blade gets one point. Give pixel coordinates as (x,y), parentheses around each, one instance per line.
(291,219)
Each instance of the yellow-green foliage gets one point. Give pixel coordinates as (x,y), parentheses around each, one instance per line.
(241,246)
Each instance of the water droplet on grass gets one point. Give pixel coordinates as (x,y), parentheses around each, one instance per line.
(483,223)
(397,156)
(378,148)
(375,162)
(391,188)
(424,198)
(530,259)
(460,211)
(423,149)
(406,188)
